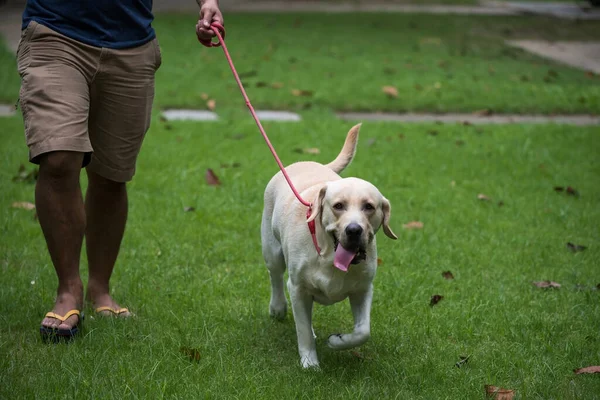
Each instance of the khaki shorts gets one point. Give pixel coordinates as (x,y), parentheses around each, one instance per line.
(76,97)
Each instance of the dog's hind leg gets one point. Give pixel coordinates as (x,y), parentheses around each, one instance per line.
(361,310)
(275,261)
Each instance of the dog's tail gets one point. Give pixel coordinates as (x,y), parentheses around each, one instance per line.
(347,154)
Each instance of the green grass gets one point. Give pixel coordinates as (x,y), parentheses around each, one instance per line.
(438,63)
(197,279)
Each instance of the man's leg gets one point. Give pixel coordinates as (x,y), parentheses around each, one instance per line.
(120,112)
(61,214)
(106,210)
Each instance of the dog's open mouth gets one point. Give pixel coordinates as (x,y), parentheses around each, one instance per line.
(344,257)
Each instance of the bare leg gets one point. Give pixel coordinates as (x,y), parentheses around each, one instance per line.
(61,214)
(106,209)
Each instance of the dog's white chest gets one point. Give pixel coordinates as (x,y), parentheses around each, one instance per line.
(328,285)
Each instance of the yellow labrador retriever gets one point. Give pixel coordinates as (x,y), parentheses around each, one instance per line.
(347,212)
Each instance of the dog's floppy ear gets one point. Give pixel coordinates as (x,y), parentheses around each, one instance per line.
(317,204)
(387,212)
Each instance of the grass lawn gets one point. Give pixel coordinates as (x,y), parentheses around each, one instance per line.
(196,279)
(197,283)
(438,63)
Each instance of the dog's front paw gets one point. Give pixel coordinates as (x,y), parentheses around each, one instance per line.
(346,341)
(309,362)
(336,341)
(278,311)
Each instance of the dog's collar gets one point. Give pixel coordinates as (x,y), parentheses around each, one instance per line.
(313,231)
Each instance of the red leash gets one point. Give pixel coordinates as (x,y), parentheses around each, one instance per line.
(220,33)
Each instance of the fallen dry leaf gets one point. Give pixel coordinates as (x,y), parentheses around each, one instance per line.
(211,104)
(547,284)
(569,190)
(447,275)
(463,360)
(483,113)
(483,197)
(211,178)
(277,85)
(26,176)
(379,261)
(390,91)
(191,353)
(24,205)
(188,209)
(308,150)
(413,225)
(595,369)
(575,247)
(498,393)
(299,93)
(260,84)
(436,298)
(204,96)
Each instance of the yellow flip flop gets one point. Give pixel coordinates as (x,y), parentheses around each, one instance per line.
(55,334)
(114,311)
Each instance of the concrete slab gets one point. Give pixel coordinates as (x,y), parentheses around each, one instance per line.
(189,115)
(577,10)
(579,120)
(584,55)
(282,116)
(7,110)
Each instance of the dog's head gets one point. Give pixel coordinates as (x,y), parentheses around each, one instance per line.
(352,211)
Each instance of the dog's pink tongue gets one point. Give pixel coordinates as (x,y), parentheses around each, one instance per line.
(342,258)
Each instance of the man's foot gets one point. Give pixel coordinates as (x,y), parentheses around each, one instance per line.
(101,299)
(65,302)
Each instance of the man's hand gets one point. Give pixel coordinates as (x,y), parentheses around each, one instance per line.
(209,13)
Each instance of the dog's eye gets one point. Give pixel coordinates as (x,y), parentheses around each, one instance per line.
(338,206)
(369,207)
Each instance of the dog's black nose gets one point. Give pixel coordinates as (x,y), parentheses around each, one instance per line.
(354,230)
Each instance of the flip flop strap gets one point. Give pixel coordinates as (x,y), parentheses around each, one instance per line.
(63,318)
(112,310)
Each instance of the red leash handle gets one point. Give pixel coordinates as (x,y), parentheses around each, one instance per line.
(220,33)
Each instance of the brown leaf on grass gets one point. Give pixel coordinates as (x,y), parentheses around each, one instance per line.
(483,113)
(432,132)
(575,247)
(379,261)
(189,209)
(436,298)
(308,150)
(483,197)
(547,284)
(260,84)
(211,178)
(276,85)
(569,190)
(390,91)
(211,104)
(26,176)
(204,96)
(191,353)
(24,205)
(594,369)
(463,360)
(302,93)
(590,74)
(498,393)
(413,225)
(447,275)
